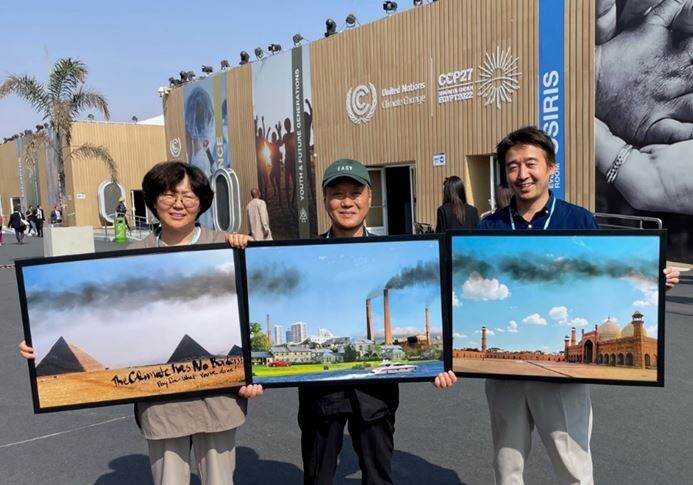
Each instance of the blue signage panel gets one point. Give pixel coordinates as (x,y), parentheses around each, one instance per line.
(551,86)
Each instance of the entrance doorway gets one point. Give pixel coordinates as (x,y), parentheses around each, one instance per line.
(393,200)
(485,175)
(141,214)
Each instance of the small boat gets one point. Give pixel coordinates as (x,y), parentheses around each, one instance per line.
(390,368)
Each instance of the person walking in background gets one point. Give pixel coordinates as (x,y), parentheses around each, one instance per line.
(455,213)
(31,218)
(121,211)
(17,223)
(39,218)
(258,219)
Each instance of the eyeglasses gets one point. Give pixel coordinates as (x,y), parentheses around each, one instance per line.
(188,201)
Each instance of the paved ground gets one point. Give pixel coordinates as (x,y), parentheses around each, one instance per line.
(641,435)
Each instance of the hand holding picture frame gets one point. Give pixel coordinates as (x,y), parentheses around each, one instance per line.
(133,325)
(345,311)
(558,306)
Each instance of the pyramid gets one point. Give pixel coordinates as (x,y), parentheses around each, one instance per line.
(236,351)
(188,349)
(64,357)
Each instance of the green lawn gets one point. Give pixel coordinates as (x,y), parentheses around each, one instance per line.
(265,371)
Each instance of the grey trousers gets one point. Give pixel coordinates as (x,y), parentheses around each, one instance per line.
(562,414)
(215,456)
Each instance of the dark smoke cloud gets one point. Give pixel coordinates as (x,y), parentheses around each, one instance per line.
(424,273)
(276,279)
(544,269)
(136,291)
(468,264)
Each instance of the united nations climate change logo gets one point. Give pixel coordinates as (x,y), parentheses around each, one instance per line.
(361,103)
(174,147)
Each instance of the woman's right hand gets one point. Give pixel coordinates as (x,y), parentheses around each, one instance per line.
(26,351)
(238,241)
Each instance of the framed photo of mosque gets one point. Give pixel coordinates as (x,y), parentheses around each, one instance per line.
(346,311)
(558,306)
(124,326)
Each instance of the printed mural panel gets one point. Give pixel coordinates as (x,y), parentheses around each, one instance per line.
(132,325)
(558,306)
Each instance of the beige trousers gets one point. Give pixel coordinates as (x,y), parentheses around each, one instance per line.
(562,414)
(215,456)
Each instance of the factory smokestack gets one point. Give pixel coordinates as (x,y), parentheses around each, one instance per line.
(573,340)
(386,312)
(483,339)
(369,321)
(428,327)
(269,332)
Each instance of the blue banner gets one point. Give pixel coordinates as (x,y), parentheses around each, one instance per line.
(551,86)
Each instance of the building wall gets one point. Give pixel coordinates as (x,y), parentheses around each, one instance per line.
(9,176)
(135,148)
(415,47)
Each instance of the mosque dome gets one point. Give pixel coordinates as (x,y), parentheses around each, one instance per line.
(628,331)
(609,331)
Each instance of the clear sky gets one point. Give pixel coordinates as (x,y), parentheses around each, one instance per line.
(530,298)
(326,286)
(133,47)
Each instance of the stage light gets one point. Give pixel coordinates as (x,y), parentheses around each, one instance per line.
(183,76)
(134,119)
(245,57)
(27,132)
(39,128)
(259,53)
(90,117)
(207,69)
(390,7)
(330,27)
(418,3)
(225,64)
(298,38)
(274,48)
(351,21)
(191,75)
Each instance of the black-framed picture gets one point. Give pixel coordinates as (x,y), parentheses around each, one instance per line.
(132,325)
(345,310)
(559,306)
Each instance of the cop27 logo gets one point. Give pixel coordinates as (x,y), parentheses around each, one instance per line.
(499,78)
(361,103)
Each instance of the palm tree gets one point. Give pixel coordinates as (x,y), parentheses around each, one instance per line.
(60,101)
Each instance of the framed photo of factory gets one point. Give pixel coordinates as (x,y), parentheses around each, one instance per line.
(133,325)
(559,306)
(345,310)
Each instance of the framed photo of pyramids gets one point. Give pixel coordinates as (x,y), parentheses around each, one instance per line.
(124,326)
(345,311)
(558,306)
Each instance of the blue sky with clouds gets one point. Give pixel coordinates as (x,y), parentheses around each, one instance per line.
(133,47)
(332,281)
(529,298)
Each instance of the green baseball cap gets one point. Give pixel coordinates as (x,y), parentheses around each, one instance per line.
(346,168)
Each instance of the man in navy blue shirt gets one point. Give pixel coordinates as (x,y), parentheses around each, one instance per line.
(562,413)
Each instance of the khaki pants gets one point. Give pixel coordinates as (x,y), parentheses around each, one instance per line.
(215,456)
(562,414)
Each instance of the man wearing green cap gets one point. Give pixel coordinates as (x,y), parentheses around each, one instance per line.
(368,409)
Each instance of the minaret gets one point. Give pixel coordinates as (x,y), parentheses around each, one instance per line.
(369,321)
(428,327)
(572,337)
(638,354)
(269,332)
(483,339)
(386,313)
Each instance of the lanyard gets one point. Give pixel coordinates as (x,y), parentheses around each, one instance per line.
(546,224)
(196,236)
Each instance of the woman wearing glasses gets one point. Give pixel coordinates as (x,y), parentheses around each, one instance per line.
(177,194)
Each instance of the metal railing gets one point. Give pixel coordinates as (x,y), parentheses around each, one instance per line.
(139,228)
(627,222)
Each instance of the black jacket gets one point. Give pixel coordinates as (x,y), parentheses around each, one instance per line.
(15,221)
(445,218)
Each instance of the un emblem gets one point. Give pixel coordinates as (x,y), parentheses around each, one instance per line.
(361,103)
